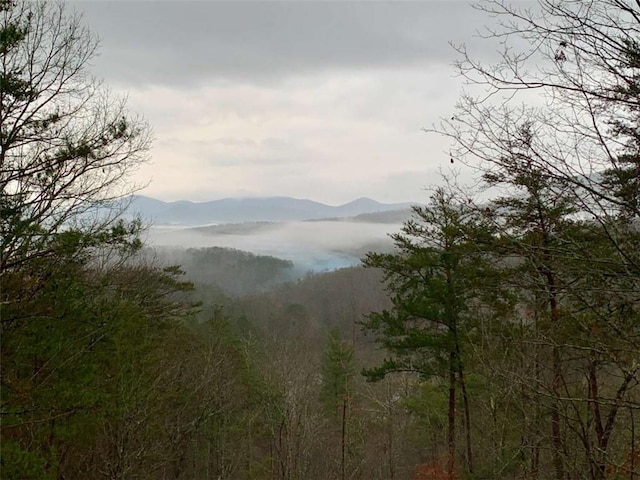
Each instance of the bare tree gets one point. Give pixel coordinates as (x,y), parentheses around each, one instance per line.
(66,144)
(569,69)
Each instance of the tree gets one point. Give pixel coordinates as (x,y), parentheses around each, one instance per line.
(563,273)
(69,284)
(529,224)
(433,282)
(66,146)
(570,70)
(337,389)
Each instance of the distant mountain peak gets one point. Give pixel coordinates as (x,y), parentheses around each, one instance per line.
(363,201)
(250,209)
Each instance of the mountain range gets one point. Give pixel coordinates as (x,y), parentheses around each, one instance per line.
(238,210)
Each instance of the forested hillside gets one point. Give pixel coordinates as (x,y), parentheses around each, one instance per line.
(235,272)
(499,339)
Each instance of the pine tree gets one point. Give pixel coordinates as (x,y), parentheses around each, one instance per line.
(337,389)
(433,280)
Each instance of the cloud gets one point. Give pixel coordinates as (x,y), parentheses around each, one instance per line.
(328,137)
(193,42)
(323,100)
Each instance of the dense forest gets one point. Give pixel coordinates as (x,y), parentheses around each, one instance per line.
(499,339)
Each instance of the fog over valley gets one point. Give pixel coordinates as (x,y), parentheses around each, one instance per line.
(312,245)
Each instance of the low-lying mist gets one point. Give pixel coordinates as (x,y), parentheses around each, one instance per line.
(312,246)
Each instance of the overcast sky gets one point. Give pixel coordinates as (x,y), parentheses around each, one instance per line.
(319,100)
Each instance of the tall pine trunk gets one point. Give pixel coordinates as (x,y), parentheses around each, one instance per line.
(467,417)
(451,436)
(556,435)
(343,439)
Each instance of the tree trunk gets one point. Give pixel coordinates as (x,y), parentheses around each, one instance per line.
(556,436)
(467,416)
(343,439)
(451,437)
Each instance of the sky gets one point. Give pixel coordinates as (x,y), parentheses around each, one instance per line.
(319,100)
